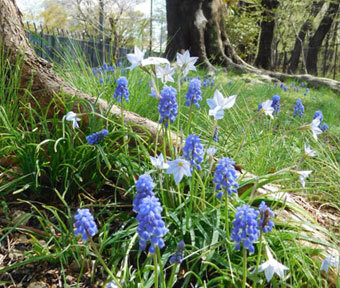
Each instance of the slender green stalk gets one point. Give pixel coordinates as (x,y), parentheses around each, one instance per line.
(226,196)
(172,276)
(161,267)
(189,121)
(259,253)
(244,268)
(155,269)
(93,245)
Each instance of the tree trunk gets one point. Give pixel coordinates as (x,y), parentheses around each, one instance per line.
(316,41)
(264,55)
(300,38)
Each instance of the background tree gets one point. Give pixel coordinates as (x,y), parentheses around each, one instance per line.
(315,8)
(316,40)
(264,55)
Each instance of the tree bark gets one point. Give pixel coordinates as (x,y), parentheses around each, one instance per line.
(316,41)
(300,38)
(264,55)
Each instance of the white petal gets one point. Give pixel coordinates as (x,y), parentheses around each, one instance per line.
(219,97)
(154,61)
(212,103)
(229,102)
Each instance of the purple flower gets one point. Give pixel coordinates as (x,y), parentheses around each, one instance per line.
(193,151)
(299,108)
(193,96)
(96,137)
(245,229)
(276,103)
(225,176)
(167,106)
(179,254)
(151,227)
(144,187)
(121,90)
(318,114)
(85,224)
(265,224)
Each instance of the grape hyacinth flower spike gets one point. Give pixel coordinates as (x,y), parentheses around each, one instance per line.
(265,223)
(245,229)
(276,103)
(85,224)
(179,254)
(193,96)
(225,176)
(167,106)
(151,227)
(96,137)
(299,109)
(193,151)
(121,90)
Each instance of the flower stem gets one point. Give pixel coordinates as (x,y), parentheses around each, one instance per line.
(160,267)
(244,267)
(100,258)
(259,253)
(189,121)
(172,276)
(156,270)
(226,214)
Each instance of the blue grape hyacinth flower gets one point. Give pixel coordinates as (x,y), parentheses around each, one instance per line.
(179,254)
(225,176)
(299,109)
(276,103)
(85,224)
(193,151)
(193,96)
(167,106)
(96,137)
(245,230)
(151,227)
(121,90)
(144,187)
(265,224)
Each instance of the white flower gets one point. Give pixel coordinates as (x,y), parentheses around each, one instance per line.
(314,127)
(159,163)
(185,62)
(165,73)
(179,168)
(309,152)
(135,58)
(329,261)
(272,266)
(71,116)
(303,175)
(218,104)
(154,61)
(267,108)
(211,151)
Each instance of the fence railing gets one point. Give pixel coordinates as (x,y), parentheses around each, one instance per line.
(56,44)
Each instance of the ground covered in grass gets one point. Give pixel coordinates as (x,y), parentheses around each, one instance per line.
(224,171)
